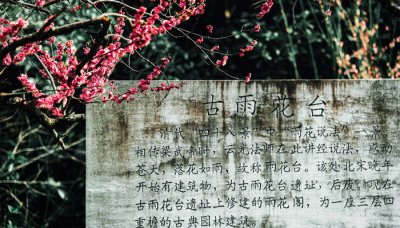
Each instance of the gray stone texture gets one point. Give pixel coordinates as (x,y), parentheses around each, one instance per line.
(349,150)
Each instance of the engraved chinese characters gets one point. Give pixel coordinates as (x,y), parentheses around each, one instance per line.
(265,154)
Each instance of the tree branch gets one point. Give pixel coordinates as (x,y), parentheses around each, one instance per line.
(46,121)
(51,20)
(38,36)
(28,5)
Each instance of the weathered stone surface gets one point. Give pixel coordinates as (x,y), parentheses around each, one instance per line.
(272,153)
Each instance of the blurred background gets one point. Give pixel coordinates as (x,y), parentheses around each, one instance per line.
(43,186)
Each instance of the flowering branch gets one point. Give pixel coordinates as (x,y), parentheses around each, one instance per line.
(86,79)
(53,84)
(39,36)
(96,45)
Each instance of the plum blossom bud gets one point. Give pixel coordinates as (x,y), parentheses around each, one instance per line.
(248,77)
(223,61)
(199,40)
(210,28)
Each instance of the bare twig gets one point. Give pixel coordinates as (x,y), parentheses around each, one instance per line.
(60,140)
(23,165)
(21,137)
(18,182)
(206,55)
(28,5)
(3,70)
(20,203)
(41,156)
(112,2)
(52,2)
(46,121)
(4,119)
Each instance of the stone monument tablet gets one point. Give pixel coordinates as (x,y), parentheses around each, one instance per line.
(263,154)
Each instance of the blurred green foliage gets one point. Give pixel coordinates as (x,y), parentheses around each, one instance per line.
(42,186)
(298,39)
